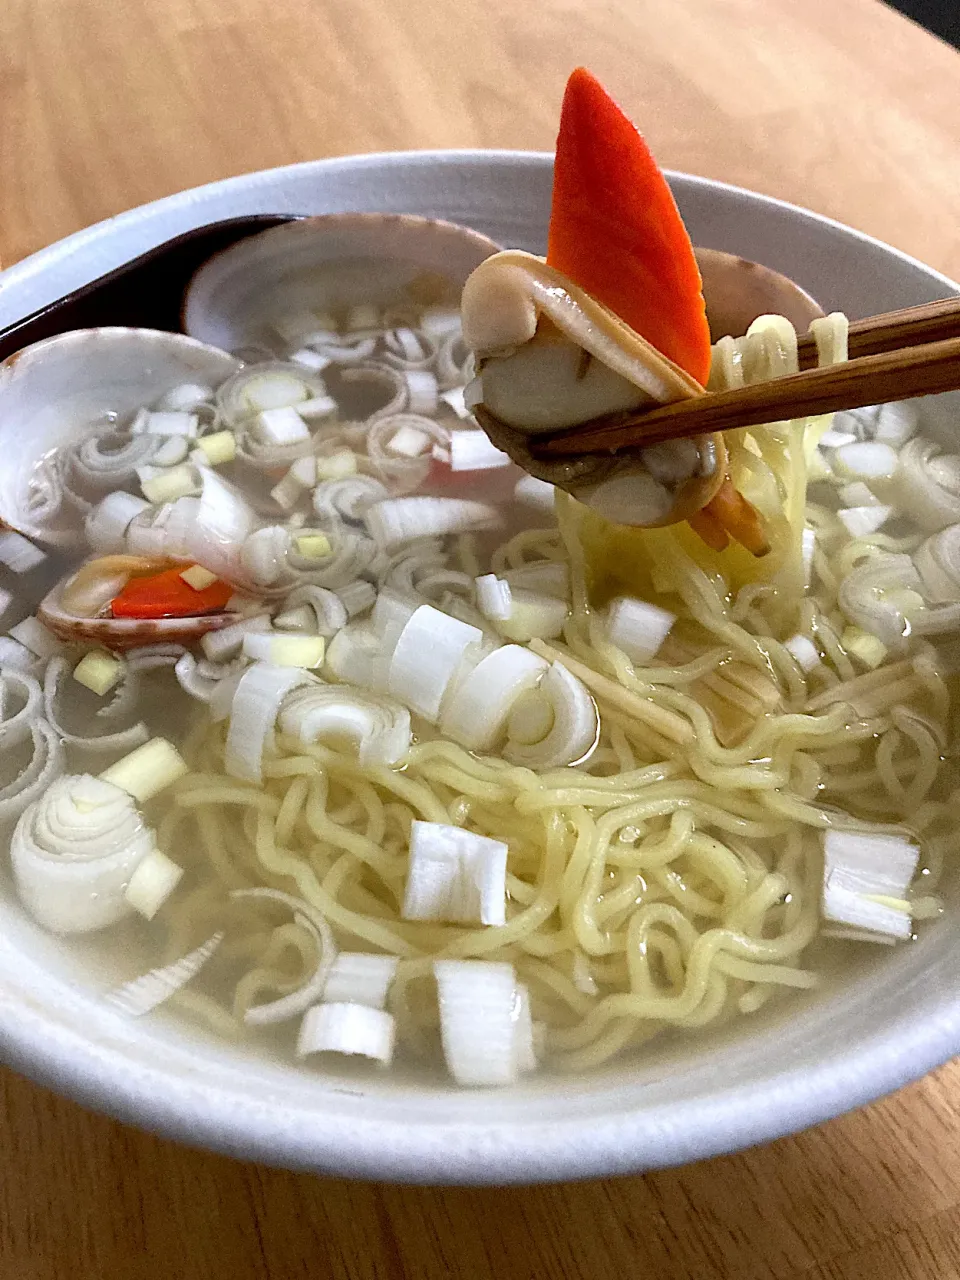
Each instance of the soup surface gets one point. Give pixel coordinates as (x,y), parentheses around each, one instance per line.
(471,773)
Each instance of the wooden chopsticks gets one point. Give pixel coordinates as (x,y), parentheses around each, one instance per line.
(908,327)
(912,352)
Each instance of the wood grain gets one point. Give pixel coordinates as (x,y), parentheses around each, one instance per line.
(837,104)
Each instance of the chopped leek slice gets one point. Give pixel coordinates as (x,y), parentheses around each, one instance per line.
(431,648)
(285,650)
(494,597)
(868,648)
(18,553)
(638,627)
(337,466)
(145,772)
(803,651)
(313,546)
(147,992)
(485,1022)
(98,671)
(455,875)
(152,883)
(865,881)
(177,482)
(347,1028)
(860,522)
(218,448)
(358,977)
(198,577)
(33,635)
(282,426)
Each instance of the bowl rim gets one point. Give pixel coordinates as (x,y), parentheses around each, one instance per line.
(43,260)
(37,1040)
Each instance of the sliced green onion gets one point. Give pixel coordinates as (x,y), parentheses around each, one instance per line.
(353,1029)
(484,1022)
(862,873)
(455,875)
(98,671)
(148,770)
(146,993)
(357,977)
(637,627)
(74,851)
(153,881)
(285,650)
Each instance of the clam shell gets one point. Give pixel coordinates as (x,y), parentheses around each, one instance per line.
(120,634)
(736,291)
(51,391)
(328,264)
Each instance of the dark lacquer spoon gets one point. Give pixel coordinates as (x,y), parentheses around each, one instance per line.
(144,293)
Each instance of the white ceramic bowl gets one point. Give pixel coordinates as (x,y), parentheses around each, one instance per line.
(886,1021)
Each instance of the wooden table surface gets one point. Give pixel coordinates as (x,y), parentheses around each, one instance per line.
(840,105)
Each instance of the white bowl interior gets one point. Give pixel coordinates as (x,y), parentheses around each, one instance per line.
(880,1021)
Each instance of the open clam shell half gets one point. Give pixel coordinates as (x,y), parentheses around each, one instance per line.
(62,614)
(330,268)
(737,291)
(57,391)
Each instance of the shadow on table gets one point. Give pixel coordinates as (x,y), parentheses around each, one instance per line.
(942,17)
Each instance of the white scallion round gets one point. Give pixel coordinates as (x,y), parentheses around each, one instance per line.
(399,520)
(359,977)
(253,713)
(494,598)
(73,852)
(484,1024)
(477,710)
(376,727)
(455,875)
(428,655)
(153,881)
(353,1029)
(928,484)
(638,627)
(107,523)
(574,728)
